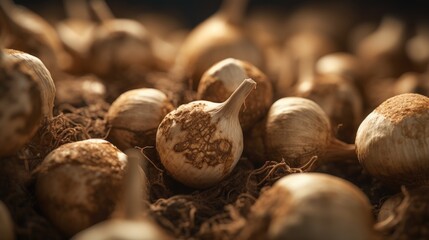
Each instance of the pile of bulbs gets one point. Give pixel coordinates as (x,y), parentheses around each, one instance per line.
(324,90)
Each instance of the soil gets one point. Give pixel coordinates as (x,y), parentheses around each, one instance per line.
(218,212)
(215,213)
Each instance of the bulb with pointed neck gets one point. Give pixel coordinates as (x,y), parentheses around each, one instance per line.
(220,36)
(200,143)
(336,95)
(297,130)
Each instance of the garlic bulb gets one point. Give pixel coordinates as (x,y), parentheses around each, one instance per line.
(80,91)
(224,77)
(297,130)
(340,100)
(340,63)
(392,143)
(79,184)
(120,47)
(200,143)
(135,116)
(32,34)
(381,52)
(76,33)
(132,225)
(21,104)
(220,36)
(301,52)
(33,67)
(311,206)
(335,94)
(6,224)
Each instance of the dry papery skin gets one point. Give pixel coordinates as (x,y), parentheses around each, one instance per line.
(391,142)
(199,143)
(309,136)
(297,130)
(199,127)
(133,118)
(216,88)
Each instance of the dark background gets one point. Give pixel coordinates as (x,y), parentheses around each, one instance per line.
(194,11)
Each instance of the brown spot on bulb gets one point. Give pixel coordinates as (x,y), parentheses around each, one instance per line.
(224,145)
(102,156)
(402,106)
(212,89)
(200,146)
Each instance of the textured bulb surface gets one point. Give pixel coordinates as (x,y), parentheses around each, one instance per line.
(200,142)
(296,130)
(134,117)
(35,69)
(80,184)
(306,206)
(224,77)
(392,142)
